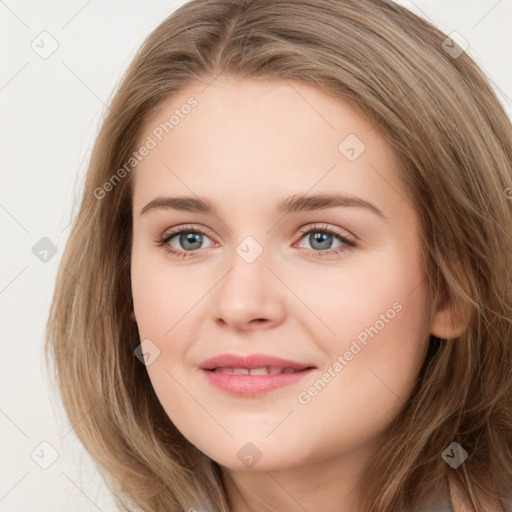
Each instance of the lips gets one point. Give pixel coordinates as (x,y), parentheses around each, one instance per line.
(272,364)
(252,375)
(269,370)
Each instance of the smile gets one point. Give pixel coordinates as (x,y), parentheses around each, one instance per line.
(271,370)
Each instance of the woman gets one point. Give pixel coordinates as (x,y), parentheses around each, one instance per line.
(256,373)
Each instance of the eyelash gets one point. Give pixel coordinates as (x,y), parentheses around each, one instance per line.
(163,242)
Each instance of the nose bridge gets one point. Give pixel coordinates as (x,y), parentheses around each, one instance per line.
(247,292)
(248,273)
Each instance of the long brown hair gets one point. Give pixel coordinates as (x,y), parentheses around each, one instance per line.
(453,139)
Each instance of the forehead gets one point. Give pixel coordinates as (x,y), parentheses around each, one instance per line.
(258,139)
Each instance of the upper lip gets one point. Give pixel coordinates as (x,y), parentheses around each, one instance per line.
(251,361)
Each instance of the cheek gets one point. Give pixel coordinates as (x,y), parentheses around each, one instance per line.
(162,298)
(372,368)
(383,350)
(374,332)
(169,306)
(382,334)
(377,295)
(160,294)
(373,371)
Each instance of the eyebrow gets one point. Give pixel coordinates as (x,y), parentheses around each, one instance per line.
(295,203)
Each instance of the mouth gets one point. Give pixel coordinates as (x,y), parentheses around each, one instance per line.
(252,375)
(260,364)
(269,370)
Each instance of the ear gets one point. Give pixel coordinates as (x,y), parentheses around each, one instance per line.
(448,321)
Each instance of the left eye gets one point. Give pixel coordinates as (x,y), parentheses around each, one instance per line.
(321,238)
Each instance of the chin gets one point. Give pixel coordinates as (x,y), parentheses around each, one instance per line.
(253,456)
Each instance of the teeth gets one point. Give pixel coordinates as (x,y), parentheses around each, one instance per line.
(271,370)
(223,370)
(258,371)
(240,371)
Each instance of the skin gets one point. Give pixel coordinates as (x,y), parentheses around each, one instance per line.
(246,145)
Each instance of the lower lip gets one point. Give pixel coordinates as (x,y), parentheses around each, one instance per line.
(253,385)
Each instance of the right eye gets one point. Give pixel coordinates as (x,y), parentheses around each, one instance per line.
(189,238)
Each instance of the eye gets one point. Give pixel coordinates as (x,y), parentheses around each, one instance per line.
(190,239)
(321,239)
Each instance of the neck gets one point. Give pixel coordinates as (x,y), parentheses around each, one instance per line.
(335,483)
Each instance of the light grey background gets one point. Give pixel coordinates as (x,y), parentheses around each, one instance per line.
(50,112)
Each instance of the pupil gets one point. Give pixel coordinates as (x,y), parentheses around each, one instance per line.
(323,239)
(191,238)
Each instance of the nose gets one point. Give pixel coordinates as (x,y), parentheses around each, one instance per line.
(249,296)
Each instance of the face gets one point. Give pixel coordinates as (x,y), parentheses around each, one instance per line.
(333,284)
